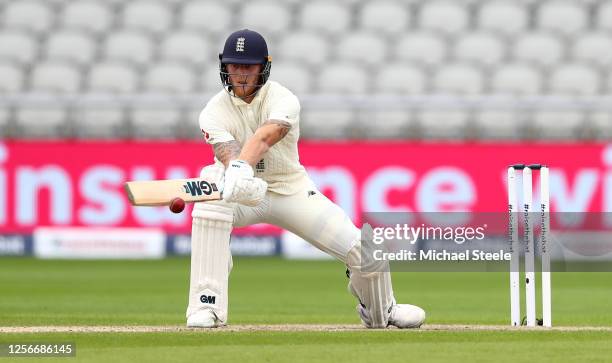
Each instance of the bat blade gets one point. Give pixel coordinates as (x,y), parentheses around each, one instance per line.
(161,192)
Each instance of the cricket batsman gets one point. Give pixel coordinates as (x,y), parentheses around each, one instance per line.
(253,128)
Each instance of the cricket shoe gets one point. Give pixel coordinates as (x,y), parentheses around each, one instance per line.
(406,316)
(203,319)
(401,315)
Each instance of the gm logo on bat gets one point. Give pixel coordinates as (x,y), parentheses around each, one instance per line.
(199,187)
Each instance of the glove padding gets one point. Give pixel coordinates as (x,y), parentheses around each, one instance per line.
(240,185)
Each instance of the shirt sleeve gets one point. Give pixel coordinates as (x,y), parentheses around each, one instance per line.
(212,128)
(286,109)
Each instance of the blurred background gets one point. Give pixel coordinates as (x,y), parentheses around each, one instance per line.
(407,105)
(466,69)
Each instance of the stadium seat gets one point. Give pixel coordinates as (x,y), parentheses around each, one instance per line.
(293,76)
(55,77)
(129,46)
(34,16)
(147,15)
(562,16)
(574,79)
(11,78)
(17,46)
(458,79)
(542,49)
(90,15)
(293,45)
(448,17)
(112,78)
(168,78)
(516,79)
(362,48)
(210,79)
(102,120)
(189,126)
(350,4)
(342,78)
(387,17)
(569,80)
(257,14)
(443,124)
(401,79)
(334,124)
(385,123)
(6,129)
(482,48)
(601,125)
(161,120)
(206,16)
(327,17)
(11,81)
(55,4)
(48,119)
(513,79)
(594,48)
(499,124)
(188,47)
(422,48)
(558,124)
(507,18)
(71,46)
(393,120)
(106,120)
(604,16)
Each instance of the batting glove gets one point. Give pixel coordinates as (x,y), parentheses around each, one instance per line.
(240,185)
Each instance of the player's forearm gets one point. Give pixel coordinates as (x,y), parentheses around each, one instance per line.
(268,134)
(227,151)
(253,150)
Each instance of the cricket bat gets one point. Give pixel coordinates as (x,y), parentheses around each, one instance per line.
(162,192)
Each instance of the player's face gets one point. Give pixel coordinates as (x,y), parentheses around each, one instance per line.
(244,78)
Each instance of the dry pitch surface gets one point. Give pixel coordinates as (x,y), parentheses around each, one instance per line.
(285,328)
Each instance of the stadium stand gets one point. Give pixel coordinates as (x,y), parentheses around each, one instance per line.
(18,46)
(88,15)
(423,69)
(71,46)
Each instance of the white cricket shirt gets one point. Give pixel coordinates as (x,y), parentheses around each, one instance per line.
(226,118)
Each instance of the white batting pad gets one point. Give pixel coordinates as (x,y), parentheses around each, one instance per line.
(210,267)
(210,254)
(370,282)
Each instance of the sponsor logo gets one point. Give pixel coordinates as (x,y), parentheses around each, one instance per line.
(12,246)
(260,166)
(240,44)
(199,187)
(205,299)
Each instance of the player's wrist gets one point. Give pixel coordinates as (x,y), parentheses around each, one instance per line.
(240,168)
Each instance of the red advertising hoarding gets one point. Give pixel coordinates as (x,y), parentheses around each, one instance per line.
(81,183)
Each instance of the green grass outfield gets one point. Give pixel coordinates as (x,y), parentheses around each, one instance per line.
(276,291)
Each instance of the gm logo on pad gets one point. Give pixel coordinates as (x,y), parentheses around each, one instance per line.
(205,299)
